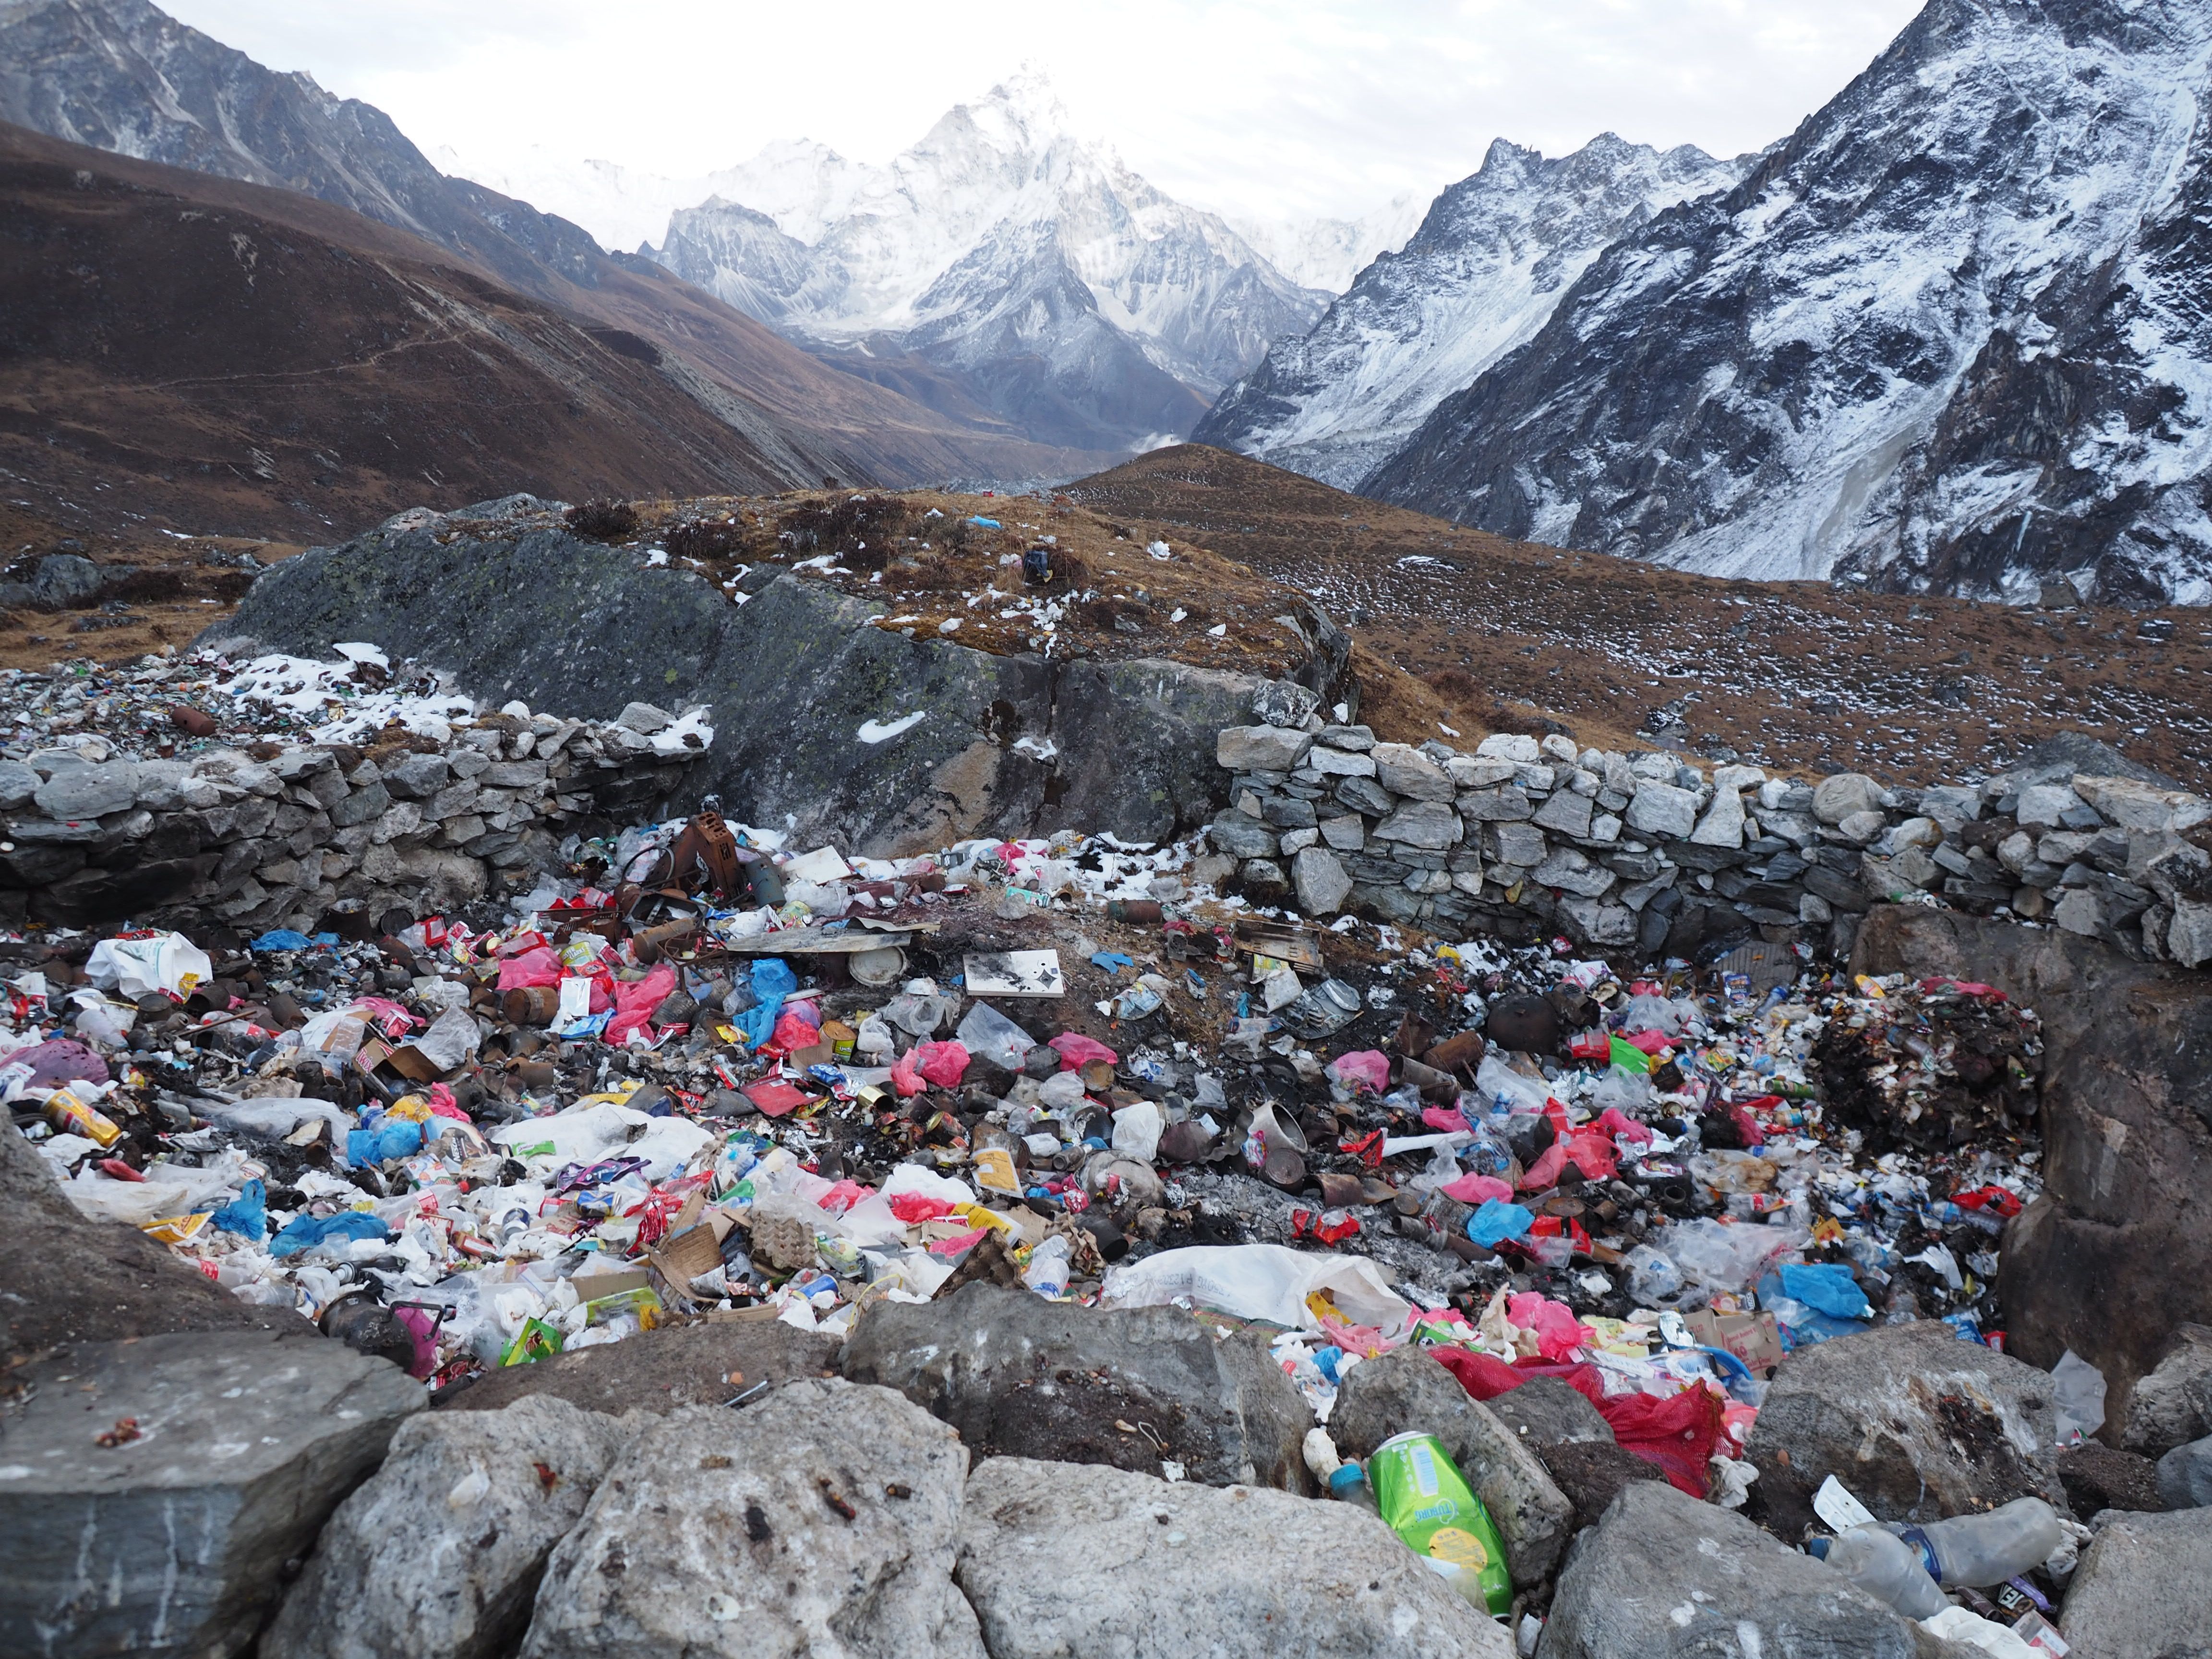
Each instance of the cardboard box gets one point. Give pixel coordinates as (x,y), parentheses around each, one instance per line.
(1752,1338)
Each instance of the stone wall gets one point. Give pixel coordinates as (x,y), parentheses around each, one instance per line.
(275,836)
(1646,853)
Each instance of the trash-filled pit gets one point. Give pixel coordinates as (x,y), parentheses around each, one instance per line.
(434,1142)
(695,1076)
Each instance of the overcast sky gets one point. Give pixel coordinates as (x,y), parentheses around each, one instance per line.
(1282,109)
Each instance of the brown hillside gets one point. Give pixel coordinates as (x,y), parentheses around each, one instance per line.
(1798,675)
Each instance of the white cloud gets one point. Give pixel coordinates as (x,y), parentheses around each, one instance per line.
(1298,106)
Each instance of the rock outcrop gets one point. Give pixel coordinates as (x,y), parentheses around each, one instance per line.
(825,723)
(438,1553)
(823,1512)
(1019,1376)
(1094,1563)
(2139,1592)
(1916,1423)
(1666,1577)
(2110,1260)
(157,1487)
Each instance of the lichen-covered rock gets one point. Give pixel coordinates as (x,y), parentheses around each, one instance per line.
(1062,1562)
(437,1555)
(822,1519)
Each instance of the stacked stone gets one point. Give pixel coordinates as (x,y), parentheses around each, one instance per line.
(260,843)
(1526,838)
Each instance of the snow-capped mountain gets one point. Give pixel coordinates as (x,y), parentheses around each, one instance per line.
(1494,255)
(1328,253)
(1952,334)
(1063,291)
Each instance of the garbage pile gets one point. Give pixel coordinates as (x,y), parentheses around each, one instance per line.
(705,1073)
(702,1076)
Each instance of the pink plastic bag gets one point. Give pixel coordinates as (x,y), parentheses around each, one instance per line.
(1558,1333)
(1478,1189)
(1449,1119)
(904,1078)
(1612,1123)
(942,1063)
(1593,1154)
(635,999)
(538,967)
(1363,1068)
(1076,1050)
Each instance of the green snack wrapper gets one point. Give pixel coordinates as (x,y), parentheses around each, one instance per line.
(1428,1503)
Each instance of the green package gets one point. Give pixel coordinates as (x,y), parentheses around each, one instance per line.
(1428,1503)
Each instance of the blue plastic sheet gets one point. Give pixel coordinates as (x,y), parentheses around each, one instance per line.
(281,939)
(307,1232)
(773,981)
(1826,1288)
(1498,1221)
(395,1138)
(246,1215)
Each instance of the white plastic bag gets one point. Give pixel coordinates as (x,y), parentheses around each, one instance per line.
(169,963)
(1260,1281)
(1494,1078)
(1137,1131)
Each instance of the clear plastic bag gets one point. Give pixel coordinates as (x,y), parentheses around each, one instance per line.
(990,1037)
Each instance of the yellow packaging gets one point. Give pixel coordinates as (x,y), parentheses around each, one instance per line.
(66,1112)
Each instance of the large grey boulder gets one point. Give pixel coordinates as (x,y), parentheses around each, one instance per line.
(1546,1412)
(2172,1404)
(65,1278)
(2140,1592)
(1092,1563)
(1916,1423)
(174,1540)
(1407,1392)
(1020,1377)
(822,1519)
(800,683)
(1664,1576)
(2184,1475)
(438,1553)
(1321,883)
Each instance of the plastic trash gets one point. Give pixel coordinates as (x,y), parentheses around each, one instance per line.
(1137,1131)
(1829,1289)
(990,1037)
(2077,1389)
(307,1232)
(1495,1080)
(1260,1281)
(168,963)
(1495,1222)
(1424,1499)
(1904,1564)
(1719,1255)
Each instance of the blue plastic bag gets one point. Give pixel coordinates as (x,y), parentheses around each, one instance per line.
(246,1215)
(305,1232)
(396,1138)
(1498,1221)
(281,939)
(773,981)
(1826,1288)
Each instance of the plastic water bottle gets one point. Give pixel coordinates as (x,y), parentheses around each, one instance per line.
(1903,1565)
(1977,1550)
(1888,1569)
